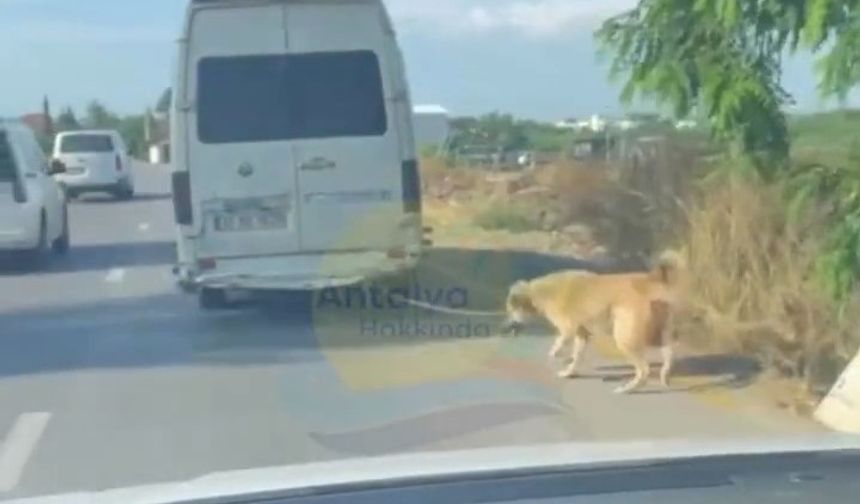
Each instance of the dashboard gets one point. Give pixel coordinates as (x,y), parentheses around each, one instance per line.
(773,478)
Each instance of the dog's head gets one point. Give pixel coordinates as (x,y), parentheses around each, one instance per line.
(519,307)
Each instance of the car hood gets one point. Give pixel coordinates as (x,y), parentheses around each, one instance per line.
(303,479)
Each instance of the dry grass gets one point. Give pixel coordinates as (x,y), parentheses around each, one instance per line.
(517,218)
(441,180)
(550,198)
(751,288)
(433,171)
(575,180)
(579,190)
(590,194)
(555,197)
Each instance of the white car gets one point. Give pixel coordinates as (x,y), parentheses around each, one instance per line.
(95,161)
(33,210)
(294,152)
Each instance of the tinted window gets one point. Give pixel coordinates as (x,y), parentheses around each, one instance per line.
(86,143)
(279,97)
(7,160)
(34,157)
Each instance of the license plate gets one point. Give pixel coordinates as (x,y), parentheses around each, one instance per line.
(251,220)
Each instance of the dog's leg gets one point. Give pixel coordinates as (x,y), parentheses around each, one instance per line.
(557,347)
(643,370)
(630,330)
(667,350)
(580,342)
(668,361)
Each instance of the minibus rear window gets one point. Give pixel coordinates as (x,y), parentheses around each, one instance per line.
(285,97)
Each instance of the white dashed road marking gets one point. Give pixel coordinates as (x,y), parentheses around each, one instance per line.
(116,275)
(143,226)
(19,445)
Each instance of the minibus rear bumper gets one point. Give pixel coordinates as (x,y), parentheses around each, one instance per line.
(295,271)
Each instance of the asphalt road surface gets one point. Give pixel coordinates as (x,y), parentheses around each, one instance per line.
(110,377)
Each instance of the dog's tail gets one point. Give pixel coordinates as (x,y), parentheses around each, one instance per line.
(668,268)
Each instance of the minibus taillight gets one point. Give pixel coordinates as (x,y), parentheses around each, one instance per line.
(411,186)
(182,209)
(207,264)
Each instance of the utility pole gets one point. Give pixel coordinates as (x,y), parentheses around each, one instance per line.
(49,120)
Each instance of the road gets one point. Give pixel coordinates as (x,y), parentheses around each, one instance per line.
(110,377)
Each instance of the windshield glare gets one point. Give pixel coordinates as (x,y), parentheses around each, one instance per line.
(410,237)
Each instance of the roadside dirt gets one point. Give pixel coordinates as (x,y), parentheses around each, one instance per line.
(724,381)
(453,226)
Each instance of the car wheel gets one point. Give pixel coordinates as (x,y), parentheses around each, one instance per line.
(123,191)
(61,244)
(213,299)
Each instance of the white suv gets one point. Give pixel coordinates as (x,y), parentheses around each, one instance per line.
(33,210)
(95,161)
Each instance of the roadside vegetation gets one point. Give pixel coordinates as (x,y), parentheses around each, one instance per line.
(97,115)
(773,236)
(757,286)
(773,254)
(767,213)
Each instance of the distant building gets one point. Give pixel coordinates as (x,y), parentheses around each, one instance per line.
(686,124)
(157,134)
(568,124)
(159,153)
(595,124)
(432,125)
(627,124)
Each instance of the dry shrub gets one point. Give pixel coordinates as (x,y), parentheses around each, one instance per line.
(434,169)
(580,185)
(516,217)
(751,287)
(441,180)
(550,197)
(589,193)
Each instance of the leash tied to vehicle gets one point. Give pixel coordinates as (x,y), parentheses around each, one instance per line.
(448,310)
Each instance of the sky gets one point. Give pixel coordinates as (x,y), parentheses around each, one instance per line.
(533,58)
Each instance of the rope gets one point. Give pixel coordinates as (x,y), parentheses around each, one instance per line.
(450,311)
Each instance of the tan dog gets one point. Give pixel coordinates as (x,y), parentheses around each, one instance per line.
(639,304)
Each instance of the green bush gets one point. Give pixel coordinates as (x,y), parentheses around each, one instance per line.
(834,192)
(507,217)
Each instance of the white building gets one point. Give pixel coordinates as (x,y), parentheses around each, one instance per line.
(157,136)
(432,125)
(686,124)
(595,123)
(627,124)
(159,153)
(568,124)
